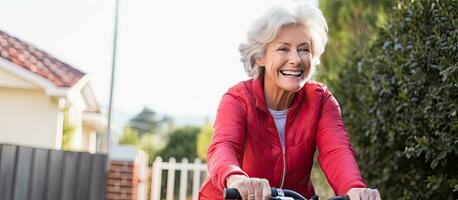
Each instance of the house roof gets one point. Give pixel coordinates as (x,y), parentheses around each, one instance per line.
(37,61)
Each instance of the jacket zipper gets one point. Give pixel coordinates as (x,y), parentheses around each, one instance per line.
(283,149)
(284,166)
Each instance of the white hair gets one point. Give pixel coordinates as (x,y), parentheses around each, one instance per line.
(265,29)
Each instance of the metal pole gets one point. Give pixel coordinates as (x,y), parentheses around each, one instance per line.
(113,72)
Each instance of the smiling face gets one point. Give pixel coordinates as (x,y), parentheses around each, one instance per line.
(287,59)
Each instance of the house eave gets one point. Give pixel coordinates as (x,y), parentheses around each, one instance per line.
(49,87)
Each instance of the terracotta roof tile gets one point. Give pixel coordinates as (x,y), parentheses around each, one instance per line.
(39,62)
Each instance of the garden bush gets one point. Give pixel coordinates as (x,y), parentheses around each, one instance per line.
(400,102)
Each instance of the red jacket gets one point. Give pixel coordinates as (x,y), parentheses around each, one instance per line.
(246,141)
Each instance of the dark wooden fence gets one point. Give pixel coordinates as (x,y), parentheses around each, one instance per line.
(41,174)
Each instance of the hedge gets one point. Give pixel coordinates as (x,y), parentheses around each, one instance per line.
(400,103)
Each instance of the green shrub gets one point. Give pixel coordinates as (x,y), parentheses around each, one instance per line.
(400,103)
(68,131)
(182,144)
(203,141)
(352,25)
(129,136)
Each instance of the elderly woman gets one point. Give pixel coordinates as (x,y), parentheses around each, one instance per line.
(267,128)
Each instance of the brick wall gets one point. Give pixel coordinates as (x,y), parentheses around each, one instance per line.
(127,174)
(122,181)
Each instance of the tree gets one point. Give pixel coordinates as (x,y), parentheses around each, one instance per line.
(151,144)
(67,132)
(352,25)
(401,103)
(129,136)
(147,122)
(147,132)
(203,141)
(182,144)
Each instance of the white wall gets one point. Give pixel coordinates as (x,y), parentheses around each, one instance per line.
(29,117)
(9,80)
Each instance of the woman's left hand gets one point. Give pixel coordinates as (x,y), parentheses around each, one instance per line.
(364,194)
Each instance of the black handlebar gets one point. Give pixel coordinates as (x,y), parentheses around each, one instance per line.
(345,197)
(232,193)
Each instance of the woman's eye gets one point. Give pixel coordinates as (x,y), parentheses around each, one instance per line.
(304,50)
(282,49)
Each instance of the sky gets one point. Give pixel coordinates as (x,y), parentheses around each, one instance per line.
(177,57)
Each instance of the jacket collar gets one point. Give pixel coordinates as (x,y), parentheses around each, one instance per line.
(258,90)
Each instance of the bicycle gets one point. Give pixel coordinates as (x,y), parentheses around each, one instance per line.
(278,194)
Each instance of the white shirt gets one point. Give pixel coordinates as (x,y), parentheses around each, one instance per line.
(280,120)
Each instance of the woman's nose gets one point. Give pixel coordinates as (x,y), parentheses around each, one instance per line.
(294,58)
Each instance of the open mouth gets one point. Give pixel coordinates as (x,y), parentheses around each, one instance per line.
(292,73)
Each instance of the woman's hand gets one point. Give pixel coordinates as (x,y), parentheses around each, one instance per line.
(250,188)
(363,194)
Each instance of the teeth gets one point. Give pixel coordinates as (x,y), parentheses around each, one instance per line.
(291,72)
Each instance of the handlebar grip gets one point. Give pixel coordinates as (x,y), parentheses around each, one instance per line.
(345,197)
(231,193)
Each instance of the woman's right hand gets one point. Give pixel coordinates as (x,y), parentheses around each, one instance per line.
(249,188)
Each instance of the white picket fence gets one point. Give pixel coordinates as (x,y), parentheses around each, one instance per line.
(184,167)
